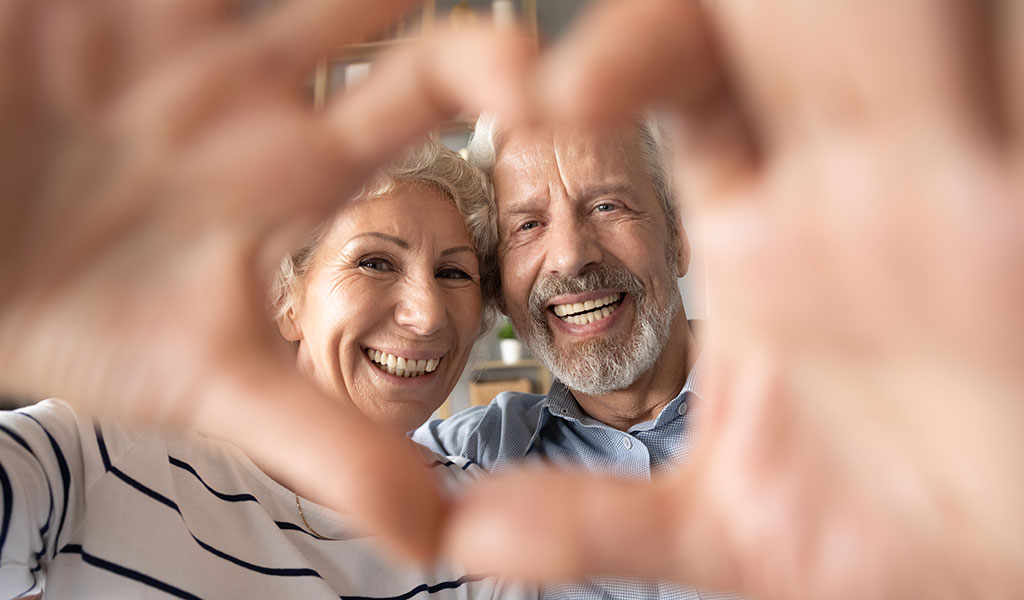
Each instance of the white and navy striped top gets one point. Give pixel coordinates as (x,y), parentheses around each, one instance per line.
(553,428)
(93,511)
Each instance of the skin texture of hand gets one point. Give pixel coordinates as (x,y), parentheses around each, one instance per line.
(158,160)
(853,172)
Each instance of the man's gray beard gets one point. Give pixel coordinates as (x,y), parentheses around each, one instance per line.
(603,364)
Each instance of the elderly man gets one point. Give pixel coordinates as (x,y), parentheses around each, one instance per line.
(589,247)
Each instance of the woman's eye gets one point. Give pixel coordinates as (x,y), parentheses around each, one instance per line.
(453,273)
(529,225)
(376,264)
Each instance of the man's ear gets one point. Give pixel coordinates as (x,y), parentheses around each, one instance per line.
(683,252)
(288,325)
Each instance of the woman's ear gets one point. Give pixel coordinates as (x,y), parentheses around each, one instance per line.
(288,325)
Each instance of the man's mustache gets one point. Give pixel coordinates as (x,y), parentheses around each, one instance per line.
(600,277)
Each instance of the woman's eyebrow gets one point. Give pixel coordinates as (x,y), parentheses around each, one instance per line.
(404,245)
(456,250)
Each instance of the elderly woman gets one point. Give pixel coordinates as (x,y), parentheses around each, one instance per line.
(381,308)
(384,304)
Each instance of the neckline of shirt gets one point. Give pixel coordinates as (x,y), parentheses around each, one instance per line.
(560,403)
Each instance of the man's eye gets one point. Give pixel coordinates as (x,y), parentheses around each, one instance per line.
(453,273)
(376,264)
(605,207)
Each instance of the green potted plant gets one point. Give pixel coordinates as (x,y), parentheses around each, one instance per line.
(511,348)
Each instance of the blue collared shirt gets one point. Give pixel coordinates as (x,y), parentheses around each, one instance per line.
(517,427)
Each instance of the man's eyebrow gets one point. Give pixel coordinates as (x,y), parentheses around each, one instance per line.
(404,245)
(608,189)
(456,250)
(518,209)
(526,205)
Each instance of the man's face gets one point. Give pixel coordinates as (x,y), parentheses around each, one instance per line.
(587,260)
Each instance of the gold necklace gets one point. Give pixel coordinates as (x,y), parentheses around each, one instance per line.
(315,533)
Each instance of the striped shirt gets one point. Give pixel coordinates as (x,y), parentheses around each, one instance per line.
(517,427)
(91,511)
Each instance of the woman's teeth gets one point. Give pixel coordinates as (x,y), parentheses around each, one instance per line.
(581,313)
(400,366)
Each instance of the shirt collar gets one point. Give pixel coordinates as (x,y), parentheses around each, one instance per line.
(560,403)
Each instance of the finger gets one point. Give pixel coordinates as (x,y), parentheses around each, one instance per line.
(665,55)
(717,151)
(324,450)
(548,526)
(161,26)
(1010,37)
(469,70)
(20,114)
(290,41)
(663,52)
(807,68)
(18,19)
(81,55)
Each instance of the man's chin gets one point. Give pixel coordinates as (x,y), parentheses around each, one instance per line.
(586,362)
(590,348)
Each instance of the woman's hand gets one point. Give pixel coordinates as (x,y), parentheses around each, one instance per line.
(158,160)
(854,172)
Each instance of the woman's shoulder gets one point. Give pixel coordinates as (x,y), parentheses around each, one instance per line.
(454,470)
(68,429)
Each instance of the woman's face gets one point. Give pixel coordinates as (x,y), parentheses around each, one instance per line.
(394,282)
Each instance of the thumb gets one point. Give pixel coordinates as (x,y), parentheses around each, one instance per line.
(547,525)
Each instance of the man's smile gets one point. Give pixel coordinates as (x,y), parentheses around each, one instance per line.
(588,311)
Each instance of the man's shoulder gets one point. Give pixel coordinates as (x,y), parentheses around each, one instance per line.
(488,433)
(506,406)
(516,402)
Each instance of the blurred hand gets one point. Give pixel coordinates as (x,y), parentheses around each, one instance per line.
(157,161)
(854,172)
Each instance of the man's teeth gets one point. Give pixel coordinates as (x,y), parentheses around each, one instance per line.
(590,317)
(581,313)
(401,366)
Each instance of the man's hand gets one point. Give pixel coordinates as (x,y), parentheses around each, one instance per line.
(854,172)
(157,161)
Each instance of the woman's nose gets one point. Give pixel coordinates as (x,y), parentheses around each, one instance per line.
(422,309)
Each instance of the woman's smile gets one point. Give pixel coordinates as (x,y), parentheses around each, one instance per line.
(402,364)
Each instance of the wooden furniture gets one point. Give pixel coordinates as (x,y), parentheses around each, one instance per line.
(490,378)
(530,369)
(482,392)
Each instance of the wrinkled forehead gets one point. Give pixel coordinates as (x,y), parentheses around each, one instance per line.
(574,160)
(418,214)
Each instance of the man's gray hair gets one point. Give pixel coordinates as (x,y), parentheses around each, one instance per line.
(485,144)
(430,165)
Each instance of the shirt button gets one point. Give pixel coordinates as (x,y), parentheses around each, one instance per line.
(683,407)
(627,442)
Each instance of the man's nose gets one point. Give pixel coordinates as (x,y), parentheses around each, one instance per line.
(421,308)
(572,246)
